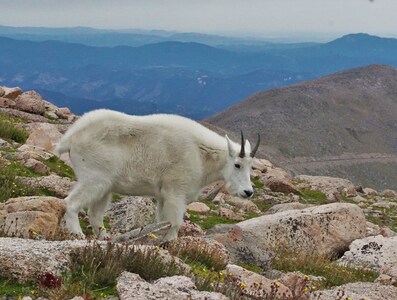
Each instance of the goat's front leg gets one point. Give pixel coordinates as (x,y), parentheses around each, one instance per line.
(172,211)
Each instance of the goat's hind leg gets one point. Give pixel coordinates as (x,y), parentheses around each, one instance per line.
(96,211)
(81,196)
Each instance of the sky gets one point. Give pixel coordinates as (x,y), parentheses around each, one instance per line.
(250,18)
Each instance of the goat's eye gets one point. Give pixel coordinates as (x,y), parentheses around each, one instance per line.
(237,166)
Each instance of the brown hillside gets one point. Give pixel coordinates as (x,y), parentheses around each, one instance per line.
(325,125)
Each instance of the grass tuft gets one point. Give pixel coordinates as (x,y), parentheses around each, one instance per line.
(312,263)
(10,132)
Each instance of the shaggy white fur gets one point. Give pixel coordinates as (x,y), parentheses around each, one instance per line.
(166,156)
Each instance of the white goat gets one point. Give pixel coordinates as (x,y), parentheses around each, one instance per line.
(166,156)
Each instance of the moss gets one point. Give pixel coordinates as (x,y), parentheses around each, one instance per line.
(58,167)
(257,182)
(312,196)
(207,222)
(250,267)
(262,205)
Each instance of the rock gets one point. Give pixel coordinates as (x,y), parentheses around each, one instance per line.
(30,217)
(389,193)
(132,286)
(198,207)
(261,165)
(29,117)
(370,192)
(253,284)
(357,291)
(189,228)
(332,187)
(285,206)
(325,229)
(11,93)
(242,204)
(37,166)
(54,183)
(210,192)
(4,102)
(375,252)
(386,279)
(35,152)
(43,135)
(4,144)
(131,212)
(2,91)
(30,102)
(278,180)
(24,259)
(230,214)
(300,284)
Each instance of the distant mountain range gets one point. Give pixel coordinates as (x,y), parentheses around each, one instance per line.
(344,124)
(187,78)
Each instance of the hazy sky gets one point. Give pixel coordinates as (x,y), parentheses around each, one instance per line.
(231,17)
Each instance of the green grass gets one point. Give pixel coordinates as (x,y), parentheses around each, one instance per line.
(312,197)
(257,182)
(250,267)
(9,287)
(10,187)
(58,167)
(209,221)
(94,269)
(10,132)
(312,263)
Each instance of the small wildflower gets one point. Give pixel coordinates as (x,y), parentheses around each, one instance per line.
(243,285)
(152,235)
(33,292)
(277,284)
(102,228)
(307,278)
(313,287)
(349,298)
(158,249)
(305,289)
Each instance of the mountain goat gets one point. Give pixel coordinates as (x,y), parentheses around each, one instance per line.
(166,156)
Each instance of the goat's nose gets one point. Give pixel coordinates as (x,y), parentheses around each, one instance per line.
(248,193)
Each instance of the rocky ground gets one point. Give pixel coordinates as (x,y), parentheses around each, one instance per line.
(302,237)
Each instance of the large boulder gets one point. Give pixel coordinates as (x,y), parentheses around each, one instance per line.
(132,286)
(325,229)
(375,252)
(30,102)
(29,217)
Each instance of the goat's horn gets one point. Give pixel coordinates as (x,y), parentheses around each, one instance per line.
(253,152)
(242,151)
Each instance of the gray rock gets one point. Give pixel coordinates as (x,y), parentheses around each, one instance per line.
(285,206)
(358,291)
(54,183)
(132,286)
(376,252)
(131,212)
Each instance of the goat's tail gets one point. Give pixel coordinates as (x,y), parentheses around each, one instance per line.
(62,147)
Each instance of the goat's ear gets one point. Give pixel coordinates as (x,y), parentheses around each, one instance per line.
(247,146)
(231,149)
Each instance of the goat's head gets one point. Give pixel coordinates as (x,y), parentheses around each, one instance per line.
(238,167)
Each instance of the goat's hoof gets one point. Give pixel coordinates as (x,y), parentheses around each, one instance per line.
(165,245)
